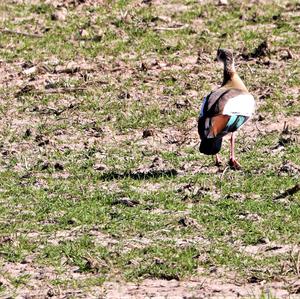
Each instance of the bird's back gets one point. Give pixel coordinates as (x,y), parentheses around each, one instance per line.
(223,111)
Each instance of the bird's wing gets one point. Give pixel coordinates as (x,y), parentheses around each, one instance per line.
(224,111)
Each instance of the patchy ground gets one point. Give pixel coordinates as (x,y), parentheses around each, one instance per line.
(103,190)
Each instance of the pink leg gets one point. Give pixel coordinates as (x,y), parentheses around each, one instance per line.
(232,161)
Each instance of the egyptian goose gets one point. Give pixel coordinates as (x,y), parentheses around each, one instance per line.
(224,111)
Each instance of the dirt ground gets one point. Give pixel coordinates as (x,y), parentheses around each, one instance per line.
(26,150)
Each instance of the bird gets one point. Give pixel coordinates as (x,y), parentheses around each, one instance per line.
(224,111)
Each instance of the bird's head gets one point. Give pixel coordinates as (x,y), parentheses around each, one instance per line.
(225,56)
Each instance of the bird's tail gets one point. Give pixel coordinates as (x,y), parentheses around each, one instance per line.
(210,146)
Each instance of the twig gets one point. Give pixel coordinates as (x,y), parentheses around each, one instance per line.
(50,110)
(164,19)
(296,261)
(289,53)
(288,192)
(259,130)
(27,89)
(170,28)
(285,129)
(124,15)
(250,69)
(68,89)
(223,173)
(59,90)
(8,31)
(221,177)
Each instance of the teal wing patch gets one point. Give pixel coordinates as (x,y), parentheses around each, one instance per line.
(235,122)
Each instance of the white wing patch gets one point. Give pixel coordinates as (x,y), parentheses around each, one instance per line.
(243,104)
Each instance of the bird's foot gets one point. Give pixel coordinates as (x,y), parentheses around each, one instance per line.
(218,161)
(234,164)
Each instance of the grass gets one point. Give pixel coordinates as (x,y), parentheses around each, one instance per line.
(58,208)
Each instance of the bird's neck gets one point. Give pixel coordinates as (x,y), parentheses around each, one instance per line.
(230,77)
(229,72)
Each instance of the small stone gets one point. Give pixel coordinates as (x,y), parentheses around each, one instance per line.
(260,118)
(53,62)
(254,279)
(83,33)
(124,95)
(72,221)
(43,142)
(58,166)
(148,133)
(27,133)
(182,104)
(27,65)
(223,2)
(126,202)
(97,38)
(59,15)
(100,167)
(50,293)
(290,167)
(30,71)
(157,162)
(143,66)
(189,222)
(45,165)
